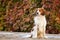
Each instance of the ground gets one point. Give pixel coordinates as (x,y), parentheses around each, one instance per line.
(18,36)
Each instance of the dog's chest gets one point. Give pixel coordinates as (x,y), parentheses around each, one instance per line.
(40,19)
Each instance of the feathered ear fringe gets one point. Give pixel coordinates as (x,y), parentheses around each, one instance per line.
(43,6)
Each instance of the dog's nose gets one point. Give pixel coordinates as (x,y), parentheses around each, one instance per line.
(37,13)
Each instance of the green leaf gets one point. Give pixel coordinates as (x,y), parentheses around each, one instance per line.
(1,28)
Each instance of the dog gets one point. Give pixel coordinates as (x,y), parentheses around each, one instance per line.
(40,24)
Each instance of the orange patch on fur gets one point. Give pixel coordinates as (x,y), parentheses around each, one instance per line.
(42,11)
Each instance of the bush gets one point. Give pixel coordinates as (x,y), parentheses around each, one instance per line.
(17,15)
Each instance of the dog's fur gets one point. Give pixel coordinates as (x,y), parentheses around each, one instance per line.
(40,24)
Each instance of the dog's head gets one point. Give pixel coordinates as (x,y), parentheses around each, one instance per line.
(40,11)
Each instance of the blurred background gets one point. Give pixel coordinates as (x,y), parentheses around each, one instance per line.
(17,15)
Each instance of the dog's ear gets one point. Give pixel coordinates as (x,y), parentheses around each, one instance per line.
(45,12)
(42,10)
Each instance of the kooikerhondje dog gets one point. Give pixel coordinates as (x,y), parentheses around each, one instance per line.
(40,24)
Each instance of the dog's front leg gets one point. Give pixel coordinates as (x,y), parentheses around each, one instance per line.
(34,32)
(44,26)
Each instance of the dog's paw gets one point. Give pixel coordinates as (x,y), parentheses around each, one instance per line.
(45,37)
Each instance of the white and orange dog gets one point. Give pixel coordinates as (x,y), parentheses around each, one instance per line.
(40,24)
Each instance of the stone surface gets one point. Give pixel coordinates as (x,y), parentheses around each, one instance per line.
(23,36)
